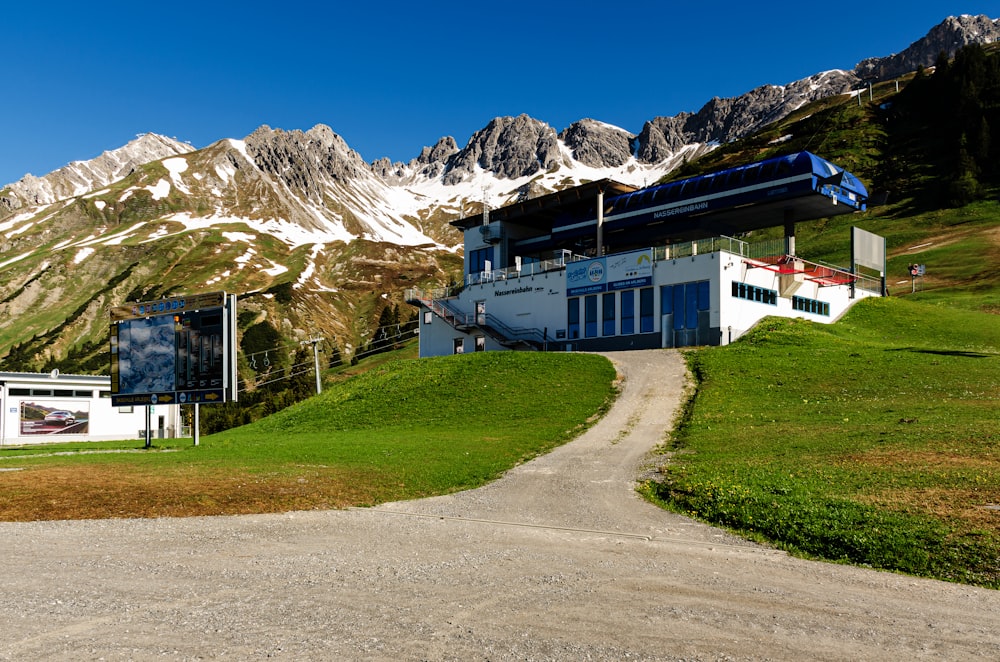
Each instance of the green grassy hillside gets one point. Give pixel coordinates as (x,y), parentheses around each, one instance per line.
(872,441)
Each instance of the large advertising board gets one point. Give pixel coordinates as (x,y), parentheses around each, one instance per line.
(176,350)
(608,274)
(54,417)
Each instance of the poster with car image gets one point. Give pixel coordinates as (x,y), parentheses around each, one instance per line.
(54,417)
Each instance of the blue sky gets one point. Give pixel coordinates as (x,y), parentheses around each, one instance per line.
(391,77)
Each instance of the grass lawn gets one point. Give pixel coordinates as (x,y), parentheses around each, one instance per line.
(872,441)
(403,429)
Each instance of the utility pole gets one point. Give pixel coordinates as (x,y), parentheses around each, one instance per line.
(315,343)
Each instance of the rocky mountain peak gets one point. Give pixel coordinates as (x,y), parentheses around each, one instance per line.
(947,37)
(597,144)
(81,177)
(509,147)
(303,160)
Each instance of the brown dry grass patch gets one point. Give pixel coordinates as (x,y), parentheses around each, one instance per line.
(924,460)
(965,502)
(966,509)
(108,491)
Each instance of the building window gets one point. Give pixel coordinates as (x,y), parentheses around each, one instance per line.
(696,297)
(590,316)
(646,310)
(480,343)
(685,301)
(428,317)
(666,299)
(458,347)
(754,293)
(573,317)
(811,306)
(628,312)
(608,314)
(84,394)
(19,391)
(478,259)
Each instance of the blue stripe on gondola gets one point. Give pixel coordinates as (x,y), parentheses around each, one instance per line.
(771,180)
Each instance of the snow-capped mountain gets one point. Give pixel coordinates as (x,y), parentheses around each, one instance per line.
(81,177)
(316,239)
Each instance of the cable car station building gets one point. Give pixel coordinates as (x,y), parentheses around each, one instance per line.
(606,266)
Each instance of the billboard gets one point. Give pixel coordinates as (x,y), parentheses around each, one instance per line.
(607,274)
(55,417)
(868,249)
(177,350)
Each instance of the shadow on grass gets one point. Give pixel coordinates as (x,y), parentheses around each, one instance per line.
(945,352)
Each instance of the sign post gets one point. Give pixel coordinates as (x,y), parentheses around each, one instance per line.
(916,270)
(177,350)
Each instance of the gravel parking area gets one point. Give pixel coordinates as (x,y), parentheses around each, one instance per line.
(559,560)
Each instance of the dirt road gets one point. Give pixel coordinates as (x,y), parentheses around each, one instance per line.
(559,560)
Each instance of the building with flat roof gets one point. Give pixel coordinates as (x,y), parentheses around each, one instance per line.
(38,408)
(605,266)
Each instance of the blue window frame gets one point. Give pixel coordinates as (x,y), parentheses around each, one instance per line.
(628,312)
(590,316)
(573,317)
(608,314)
(811,306)
(754,293)
(678,307)
(685,301)
(478,259)
(646,310)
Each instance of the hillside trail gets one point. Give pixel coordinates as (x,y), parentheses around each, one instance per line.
(558,560)
(590,483)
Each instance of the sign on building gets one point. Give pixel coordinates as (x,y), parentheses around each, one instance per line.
(606,274)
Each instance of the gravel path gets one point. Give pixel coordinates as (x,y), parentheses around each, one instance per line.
(559,560)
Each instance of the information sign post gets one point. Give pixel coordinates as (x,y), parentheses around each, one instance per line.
(177,350)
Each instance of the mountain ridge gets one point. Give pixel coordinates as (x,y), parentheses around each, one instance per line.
(718,120)
(317,240)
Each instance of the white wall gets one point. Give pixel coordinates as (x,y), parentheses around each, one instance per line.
(539,301)
(19,422)
(739,315)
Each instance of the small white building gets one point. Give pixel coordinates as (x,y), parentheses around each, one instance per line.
(654,267)
(48,408)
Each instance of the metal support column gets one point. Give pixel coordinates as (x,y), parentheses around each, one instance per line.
(600,222)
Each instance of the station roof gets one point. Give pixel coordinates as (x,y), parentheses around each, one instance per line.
(539,212)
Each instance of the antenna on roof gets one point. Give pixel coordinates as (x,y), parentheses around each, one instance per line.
(486,206)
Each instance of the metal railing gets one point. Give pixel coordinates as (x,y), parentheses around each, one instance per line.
(527,269)
(505,334)
(700,247)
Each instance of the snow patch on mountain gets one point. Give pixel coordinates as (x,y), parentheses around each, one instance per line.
(16,258)
(240,236)
(83,254)
(175,166)
(160,189)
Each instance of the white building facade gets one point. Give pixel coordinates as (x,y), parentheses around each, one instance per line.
(50,408)
(708,290)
